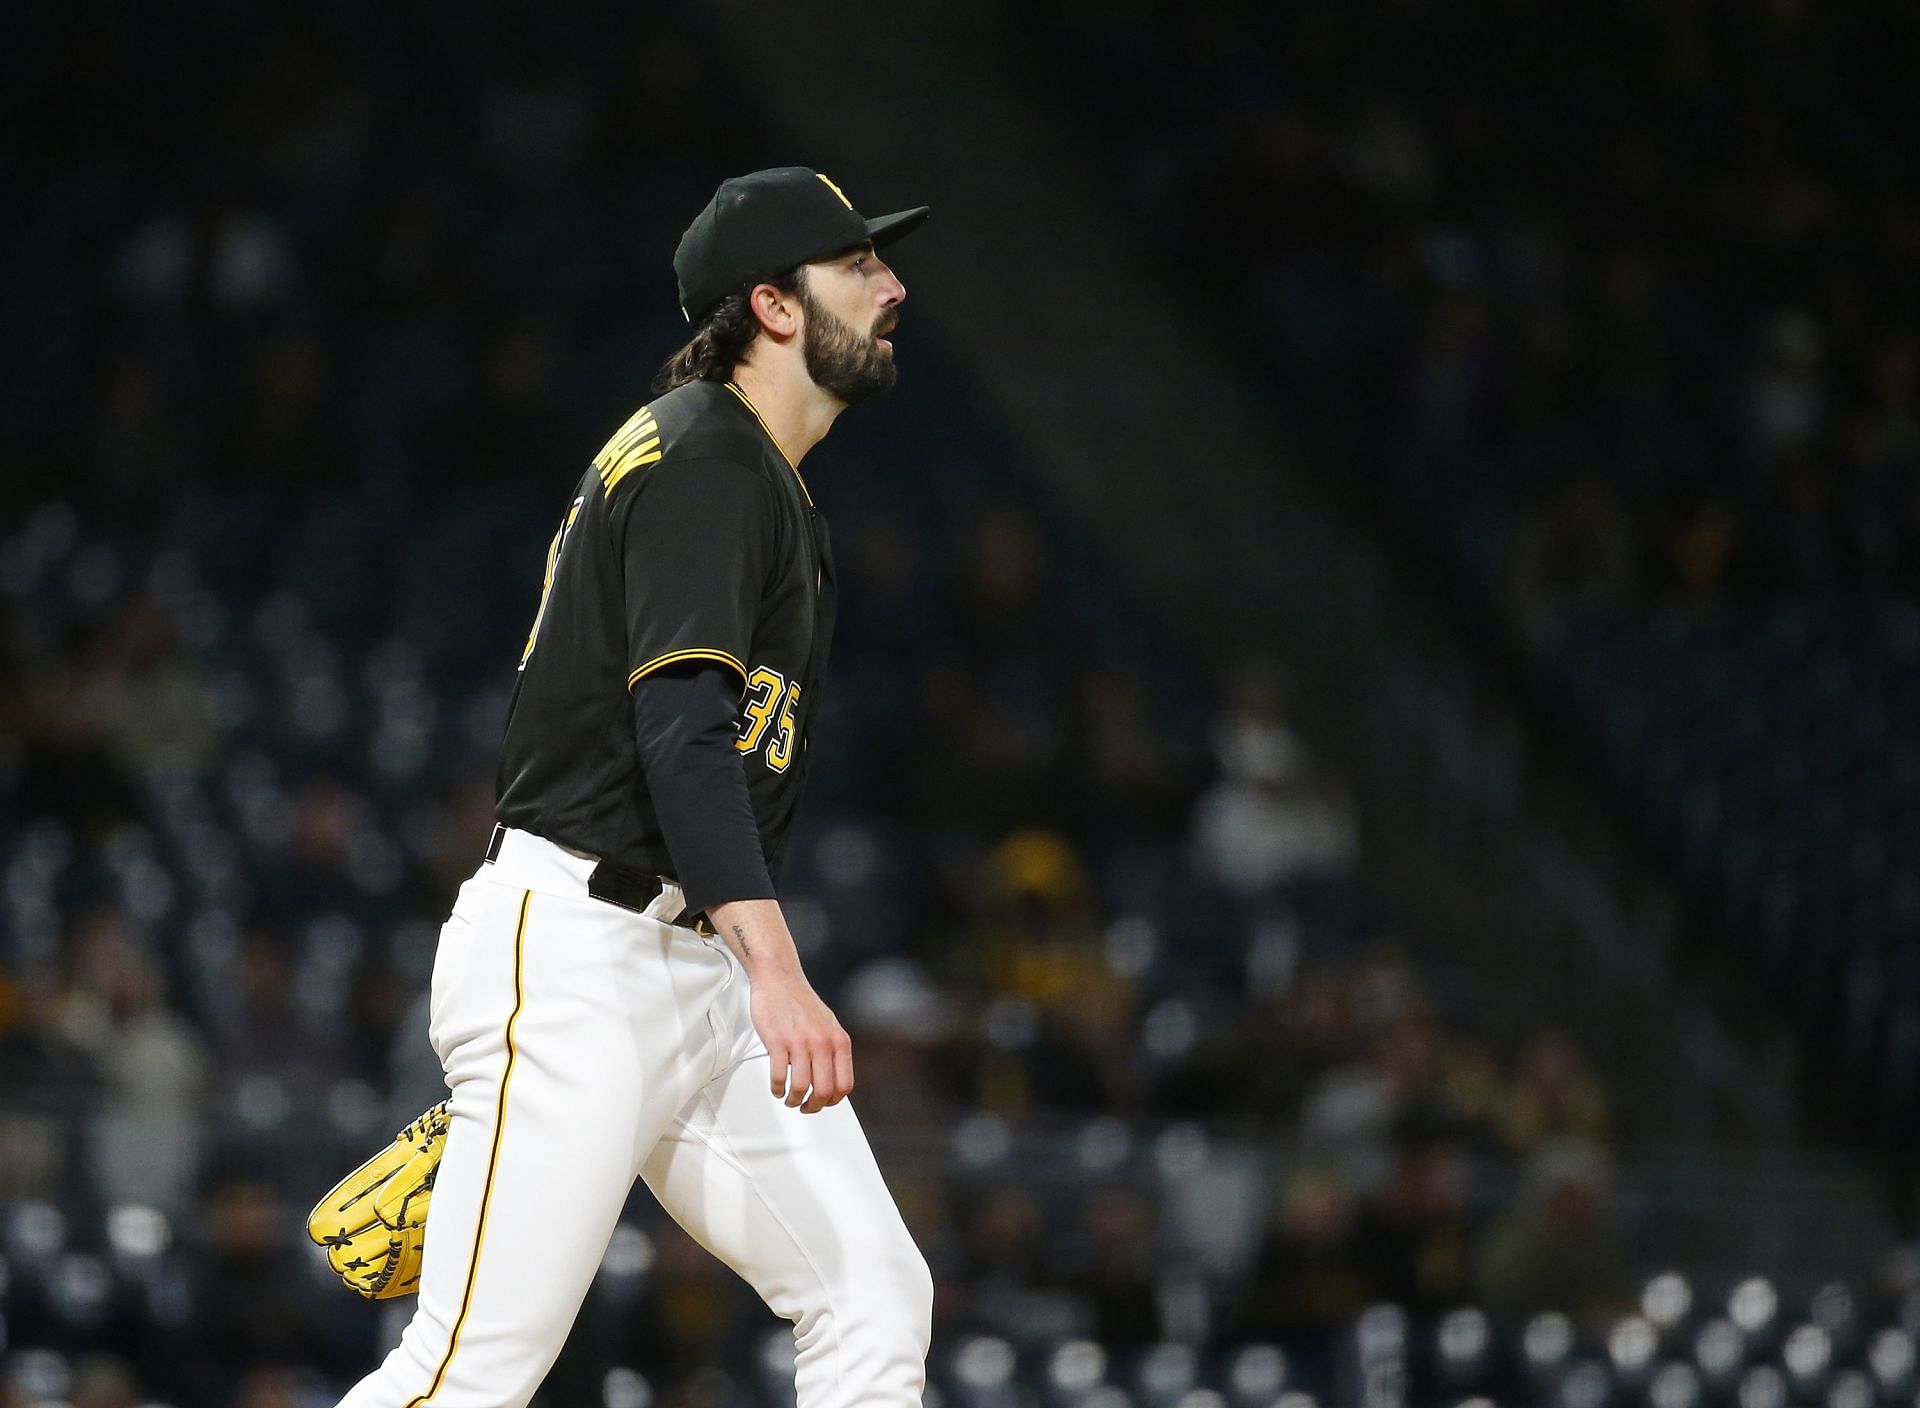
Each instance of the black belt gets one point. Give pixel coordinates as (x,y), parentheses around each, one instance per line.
(616,884)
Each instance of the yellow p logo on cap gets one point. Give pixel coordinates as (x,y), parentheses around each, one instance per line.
(835,189)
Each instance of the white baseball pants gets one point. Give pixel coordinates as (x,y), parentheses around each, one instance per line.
(585,1045)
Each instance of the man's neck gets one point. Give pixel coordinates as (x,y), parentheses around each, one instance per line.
(796,412)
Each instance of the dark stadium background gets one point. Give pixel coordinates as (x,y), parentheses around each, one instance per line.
(1367,827)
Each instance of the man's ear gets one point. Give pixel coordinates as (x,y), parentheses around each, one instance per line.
(778,313)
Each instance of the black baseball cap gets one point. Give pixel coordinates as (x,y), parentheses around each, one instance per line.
(764,223)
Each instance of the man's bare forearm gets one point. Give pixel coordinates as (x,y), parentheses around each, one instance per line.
(809,1055)
(757,933)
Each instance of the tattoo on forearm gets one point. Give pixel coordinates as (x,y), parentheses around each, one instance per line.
(741,935)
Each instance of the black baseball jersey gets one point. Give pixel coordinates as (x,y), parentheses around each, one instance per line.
(690,538)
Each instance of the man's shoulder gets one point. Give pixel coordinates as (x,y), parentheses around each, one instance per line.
(692,425)
(702,420)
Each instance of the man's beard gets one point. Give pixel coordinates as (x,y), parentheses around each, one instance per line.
(841,361)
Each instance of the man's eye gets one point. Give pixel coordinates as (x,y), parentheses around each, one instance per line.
(858,262)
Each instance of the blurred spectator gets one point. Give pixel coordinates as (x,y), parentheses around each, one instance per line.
(898,1021)
(1577,548)
(279,429)
(1269,818)
(885,645)
(268,1033)
(1250,1070)
(926,1201)
(1133,783)
(1003,617)
(1005,696)
(687,1310)
(1413,1236)
(269,1388)
(255,1296)
(1306,1276)
(1113,1273)
(113,1007)
(1811,544)
(1475,1084)
(1786,402)
(1059,1029)
(887,602)
(1553,1096)
(1086,1057)
(1705,555)
(1556,1248)
(1013,1286)
(315,872)
(1036,939)
(1005,1243)
(66,771)
(44,1080)
(104,1383)
(148,694)
(1396,1085)
(136,447)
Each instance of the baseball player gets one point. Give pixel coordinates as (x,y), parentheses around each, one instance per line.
(616,993)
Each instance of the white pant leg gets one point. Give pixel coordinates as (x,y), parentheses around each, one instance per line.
(796,1205)
(571,1033)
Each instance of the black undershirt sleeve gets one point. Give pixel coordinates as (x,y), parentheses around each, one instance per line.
(685,720)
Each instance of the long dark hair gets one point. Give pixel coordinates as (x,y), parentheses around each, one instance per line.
(725,332)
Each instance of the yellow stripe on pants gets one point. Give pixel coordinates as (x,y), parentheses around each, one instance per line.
(493,1158)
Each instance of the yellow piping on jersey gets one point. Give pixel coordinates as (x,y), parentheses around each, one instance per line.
(747,401)
(493,1158)
(674,657)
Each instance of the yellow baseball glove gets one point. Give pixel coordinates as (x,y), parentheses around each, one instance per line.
(373,1221)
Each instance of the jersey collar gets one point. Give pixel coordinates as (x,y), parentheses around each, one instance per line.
(747,401)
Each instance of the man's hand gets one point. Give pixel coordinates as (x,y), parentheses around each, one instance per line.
(810,1055)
